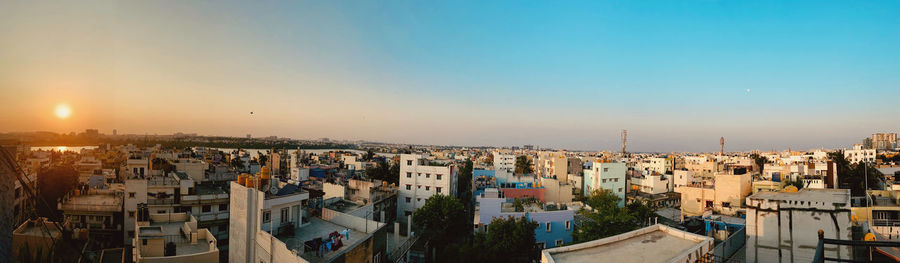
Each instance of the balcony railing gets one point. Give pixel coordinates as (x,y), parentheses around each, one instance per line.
(163,201)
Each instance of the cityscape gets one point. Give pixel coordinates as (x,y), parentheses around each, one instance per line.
(449,131)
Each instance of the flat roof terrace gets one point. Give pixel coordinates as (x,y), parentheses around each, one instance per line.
(653,244)
(318,228)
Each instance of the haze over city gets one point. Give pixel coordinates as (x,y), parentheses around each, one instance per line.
(676,75)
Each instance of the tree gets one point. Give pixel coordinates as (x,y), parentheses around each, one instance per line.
(853,176)
(759,160)
(489,160)
(384,171)
(237,163)
(508,239)
(442,220)
(53,184)
(368,155)
(523,165)
(464,184)
(798,183)
(605,218)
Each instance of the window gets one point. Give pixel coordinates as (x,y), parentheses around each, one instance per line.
(427,188)
(604,181)
(267,217)
(130,213)
(605,169)
(160,211)
(476,226)
(207,208)
(438,176)
(285,214)
(709,204)
(130,194)
(548,226)
(408,199)
(419,186)
(144,242)
(408,175)
(408,162)
(568,225)
(408,187)
(620,189)
(438,189)
(726,204)
(541,245)
(427,175)
(223,207)
(559,242)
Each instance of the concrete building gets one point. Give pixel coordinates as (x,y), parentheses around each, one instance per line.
(99,211)
(884,141)
(725,196)
(783,227)
(685,178)
(608,176)
(652,244)
(173,237)
(34,239)
(554,226)
(651,183)
(257,235)
(860,155)
(419,181)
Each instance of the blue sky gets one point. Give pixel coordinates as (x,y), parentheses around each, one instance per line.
(677,74)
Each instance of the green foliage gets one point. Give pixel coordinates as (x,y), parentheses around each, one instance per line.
(442,220)
(53,184)
(237,163)
(606,218)
(759,160)
(507,240)
(384,171)
(464,186)
(789,182)
(523,165)
(853,176)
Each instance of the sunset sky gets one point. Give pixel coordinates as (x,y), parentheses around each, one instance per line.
(677,74)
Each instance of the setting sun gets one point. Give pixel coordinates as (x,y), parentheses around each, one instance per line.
(63,111)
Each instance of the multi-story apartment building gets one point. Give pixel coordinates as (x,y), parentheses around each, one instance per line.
(884,141)
(97,210)
(271,226)
(555,226)
(608,176)
(172,237)
(860,155)
(725,196)
(419,181)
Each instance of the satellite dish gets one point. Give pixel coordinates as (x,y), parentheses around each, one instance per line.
(273,190)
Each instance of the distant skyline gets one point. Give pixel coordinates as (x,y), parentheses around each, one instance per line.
(569,75)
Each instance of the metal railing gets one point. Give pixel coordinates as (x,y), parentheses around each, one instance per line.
(398,253)
(870,245)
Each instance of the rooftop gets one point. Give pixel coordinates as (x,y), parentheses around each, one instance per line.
(667,245)
(841,196)
(319,228)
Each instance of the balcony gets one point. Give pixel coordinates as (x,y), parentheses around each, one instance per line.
(212,217)
(205,199)
(162,201)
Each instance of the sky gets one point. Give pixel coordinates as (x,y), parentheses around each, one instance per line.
(568,75)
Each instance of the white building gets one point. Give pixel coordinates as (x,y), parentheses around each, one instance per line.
(651,184)
(860,155)
(419,181)
(783,227)
(608,176)
(685,178)
(192,244)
